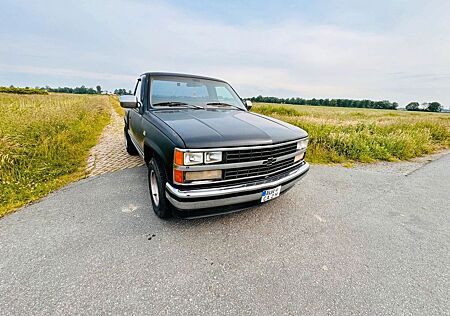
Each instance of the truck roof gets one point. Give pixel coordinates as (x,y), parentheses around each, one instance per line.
(173,74)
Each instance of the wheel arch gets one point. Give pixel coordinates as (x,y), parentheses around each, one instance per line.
(149,153)
(165,157)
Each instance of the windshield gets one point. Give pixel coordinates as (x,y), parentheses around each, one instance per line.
(173,91)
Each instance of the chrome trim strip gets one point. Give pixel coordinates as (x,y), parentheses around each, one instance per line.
(233,200)
(230,180)
(221,166)
(241,188)
(235,165)
(240,148)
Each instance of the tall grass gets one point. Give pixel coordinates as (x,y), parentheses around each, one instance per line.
(114,100)
(343,135)
(44,142)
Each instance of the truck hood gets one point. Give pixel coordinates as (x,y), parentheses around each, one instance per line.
(227,128)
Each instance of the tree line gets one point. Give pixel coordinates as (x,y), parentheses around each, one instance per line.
(348,103)
(369,104)
(85,90)
(46,89)
(76,90)
(26,90)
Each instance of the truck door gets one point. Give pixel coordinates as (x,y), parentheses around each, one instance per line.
(135,117)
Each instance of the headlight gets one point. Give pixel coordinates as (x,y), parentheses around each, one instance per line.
(186,158)
(193,158)
(182,158)
(213,156)
(302,144)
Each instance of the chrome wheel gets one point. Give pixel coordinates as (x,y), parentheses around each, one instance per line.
(154,188)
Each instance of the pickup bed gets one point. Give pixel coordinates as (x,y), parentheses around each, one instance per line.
(206,153)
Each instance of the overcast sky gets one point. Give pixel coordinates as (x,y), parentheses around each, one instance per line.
(385,49)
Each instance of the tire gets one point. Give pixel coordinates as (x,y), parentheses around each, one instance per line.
(157,180)
(129,146)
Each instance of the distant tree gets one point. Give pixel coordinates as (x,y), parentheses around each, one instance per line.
(122,92)
(434,107)
(99,89)
(413,106)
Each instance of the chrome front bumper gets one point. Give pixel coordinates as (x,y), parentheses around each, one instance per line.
(193,199)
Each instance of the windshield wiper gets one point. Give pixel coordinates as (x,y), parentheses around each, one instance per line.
(223,104)
(177,104)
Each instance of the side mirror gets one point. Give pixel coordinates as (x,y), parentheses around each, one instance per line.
(248,104)
(128,101)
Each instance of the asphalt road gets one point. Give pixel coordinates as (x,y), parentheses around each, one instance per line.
(367,240)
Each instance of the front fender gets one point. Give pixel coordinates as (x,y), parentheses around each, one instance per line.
(162,140)
(163,148)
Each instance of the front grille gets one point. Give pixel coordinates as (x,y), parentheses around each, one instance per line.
(230,174)
(244,155)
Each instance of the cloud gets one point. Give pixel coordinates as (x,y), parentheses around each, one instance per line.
(61,72)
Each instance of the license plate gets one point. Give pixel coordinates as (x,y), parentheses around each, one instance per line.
(270,194)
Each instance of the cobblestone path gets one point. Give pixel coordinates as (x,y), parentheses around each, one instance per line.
(110,154)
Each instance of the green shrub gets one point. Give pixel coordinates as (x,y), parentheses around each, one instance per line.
(22,90)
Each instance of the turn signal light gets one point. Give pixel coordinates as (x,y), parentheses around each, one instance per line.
(178,176)
(178,157)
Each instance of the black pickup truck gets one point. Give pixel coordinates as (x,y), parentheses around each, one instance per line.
(206,153)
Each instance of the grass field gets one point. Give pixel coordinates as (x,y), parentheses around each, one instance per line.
(45,139)
(114,100)
(346,135)
(44,142)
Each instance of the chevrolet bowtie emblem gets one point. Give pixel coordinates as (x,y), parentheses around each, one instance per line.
(269,161)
